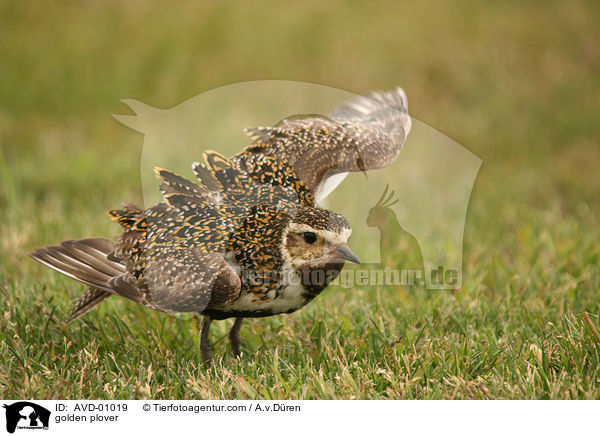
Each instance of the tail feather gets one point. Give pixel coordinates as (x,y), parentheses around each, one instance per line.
(87,261)
(86,302)
(94,256)
(64,259)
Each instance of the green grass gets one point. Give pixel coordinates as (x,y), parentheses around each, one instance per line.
(516,83)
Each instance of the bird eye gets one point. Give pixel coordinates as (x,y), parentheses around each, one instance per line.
(310,237)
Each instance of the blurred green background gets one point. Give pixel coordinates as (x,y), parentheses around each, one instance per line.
(517,83)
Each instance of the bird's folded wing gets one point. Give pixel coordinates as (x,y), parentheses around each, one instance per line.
(187,280)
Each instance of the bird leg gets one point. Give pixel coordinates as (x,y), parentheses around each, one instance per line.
(205,345)
(234,337)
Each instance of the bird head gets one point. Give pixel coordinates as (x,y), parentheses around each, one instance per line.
(382,213)
(315,238)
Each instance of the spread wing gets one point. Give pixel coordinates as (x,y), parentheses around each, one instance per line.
(363,133)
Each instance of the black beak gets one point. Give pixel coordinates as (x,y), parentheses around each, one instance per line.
(342,252)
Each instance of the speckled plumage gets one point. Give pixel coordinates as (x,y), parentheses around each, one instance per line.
(229,245)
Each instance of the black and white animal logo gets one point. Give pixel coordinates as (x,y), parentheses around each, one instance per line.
(26,415)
